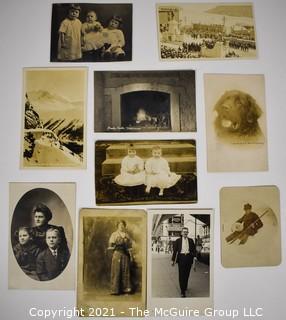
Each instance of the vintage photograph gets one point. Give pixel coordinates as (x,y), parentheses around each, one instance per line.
(145,171)
(180,258)
(112,260)
(250,226)
(206,31)
(144,101)
(41,236)
(236,122)
(54,104)
(91,32)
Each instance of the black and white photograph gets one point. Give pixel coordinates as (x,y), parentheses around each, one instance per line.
(144,101)
(54,103)
(41,237)
(236,122)
(145,172)
(91,32)
(180,257)
(250,226)
(206,31)
(112,260)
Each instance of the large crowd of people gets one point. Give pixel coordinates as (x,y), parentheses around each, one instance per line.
(241,44)
(197,37)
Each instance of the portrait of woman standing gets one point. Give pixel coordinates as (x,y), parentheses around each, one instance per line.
(112,260)
(122,258)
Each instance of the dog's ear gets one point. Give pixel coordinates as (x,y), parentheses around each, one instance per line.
(254,111)
(220,100)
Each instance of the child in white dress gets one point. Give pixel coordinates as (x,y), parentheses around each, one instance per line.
(69,44)
(132,170)
(158,174)
(92,39)
(114,39)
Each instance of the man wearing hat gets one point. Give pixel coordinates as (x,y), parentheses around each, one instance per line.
(184,253)
(247,225)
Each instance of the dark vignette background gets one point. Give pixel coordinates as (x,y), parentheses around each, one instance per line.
(22,215)
(104,12)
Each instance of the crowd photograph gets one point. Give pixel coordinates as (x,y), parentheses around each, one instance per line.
(206,31)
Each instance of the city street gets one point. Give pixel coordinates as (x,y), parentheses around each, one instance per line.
(165,279)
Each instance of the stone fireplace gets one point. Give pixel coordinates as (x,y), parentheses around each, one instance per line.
(138,101)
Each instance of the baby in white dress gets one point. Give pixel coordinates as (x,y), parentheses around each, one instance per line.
(158,173)
(132,169)
(92,33)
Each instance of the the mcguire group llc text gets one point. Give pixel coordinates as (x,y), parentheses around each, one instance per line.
(208,312)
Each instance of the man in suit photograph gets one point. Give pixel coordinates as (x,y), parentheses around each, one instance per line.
(184,253)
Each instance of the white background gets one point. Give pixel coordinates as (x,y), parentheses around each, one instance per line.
(25,42)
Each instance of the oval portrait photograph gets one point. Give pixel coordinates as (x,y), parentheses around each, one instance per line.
(41,234)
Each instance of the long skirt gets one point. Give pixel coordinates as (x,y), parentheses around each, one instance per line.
(120,273)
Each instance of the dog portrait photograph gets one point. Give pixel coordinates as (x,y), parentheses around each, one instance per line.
(180,258)
(54,103)
(236,122)
(144,101)
(250,226)
(91,32)
(112,261)
(206,31)
(145,171)
(41,236)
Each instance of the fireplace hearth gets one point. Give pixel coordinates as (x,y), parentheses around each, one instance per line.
(145,110)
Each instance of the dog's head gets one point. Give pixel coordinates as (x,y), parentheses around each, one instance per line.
(237,113)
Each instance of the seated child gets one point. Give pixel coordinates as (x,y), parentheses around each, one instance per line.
(69,44)
(158,172)
(26,252)
(53,260)
(114,39)
(92,39)
(132,169)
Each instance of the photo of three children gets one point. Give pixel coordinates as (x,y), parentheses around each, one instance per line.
(91,32)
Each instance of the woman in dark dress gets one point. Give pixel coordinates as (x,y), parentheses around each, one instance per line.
(26,252)
(42,215)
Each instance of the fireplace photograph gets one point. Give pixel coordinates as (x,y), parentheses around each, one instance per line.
(144,101)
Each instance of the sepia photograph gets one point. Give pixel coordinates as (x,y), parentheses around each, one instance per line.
(54,104)
(206,31)
(236,122)
(144,101)
(91,32)
(112,261)
(250,226)
(41,237)
(180,258)
(145,172)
